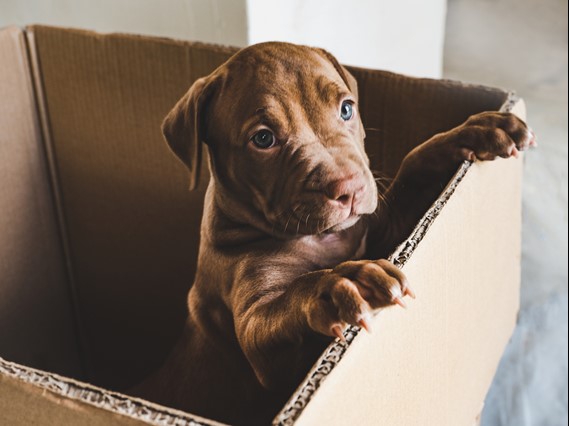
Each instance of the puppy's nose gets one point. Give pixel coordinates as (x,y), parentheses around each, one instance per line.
(343,191)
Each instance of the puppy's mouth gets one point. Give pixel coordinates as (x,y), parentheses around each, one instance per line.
(308,221)
(347,223)
(316,211)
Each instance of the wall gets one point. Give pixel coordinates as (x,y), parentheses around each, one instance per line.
(214,21)
(400,35)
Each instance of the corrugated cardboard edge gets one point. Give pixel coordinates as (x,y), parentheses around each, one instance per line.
(112,401)
(336,350)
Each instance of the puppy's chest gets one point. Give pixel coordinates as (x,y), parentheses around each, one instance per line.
(329,250)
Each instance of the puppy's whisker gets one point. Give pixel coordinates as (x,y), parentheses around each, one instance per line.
(383,183)
(318,231)
(291,216)
(287,222)
(383,201)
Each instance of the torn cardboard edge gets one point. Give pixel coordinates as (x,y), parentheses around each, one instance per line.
(336,350)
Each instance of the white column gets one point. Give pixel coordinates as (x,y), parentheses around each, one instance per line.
(405,36)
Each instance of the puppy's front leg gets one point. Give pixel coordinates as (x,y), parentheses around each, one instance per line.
(275,322)
(427,169)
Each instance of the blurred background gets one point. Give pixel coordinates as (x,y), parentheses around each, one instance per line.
(514,44)
(522,45)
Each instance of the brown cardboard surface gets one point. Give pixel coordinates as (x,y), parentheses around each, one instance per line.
(132,225)
(33,284)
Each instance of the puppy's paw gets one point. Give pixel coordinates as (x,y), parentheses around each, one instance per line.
(351,291)
(488,135)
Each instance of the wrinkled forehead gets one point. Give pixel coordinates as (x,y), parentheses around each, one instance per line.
(279,72)
(276,58)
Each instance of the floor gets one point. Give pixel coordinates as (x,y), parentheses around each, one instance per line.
(522,45)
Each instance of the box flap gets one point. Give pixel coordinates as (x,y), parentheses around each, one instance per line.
(33,284)
(31,396)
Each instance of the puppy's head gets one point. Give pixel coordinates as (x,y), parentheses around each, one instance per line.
(285,138)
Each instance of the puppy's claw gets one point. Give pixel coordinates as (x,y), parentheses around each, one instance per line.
(400,302)
(532,140)
(337,331)
(364,323)
(515,153)
(408,291)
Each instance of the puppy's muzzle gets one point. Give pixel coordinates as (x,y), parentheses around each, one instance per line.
(346,193)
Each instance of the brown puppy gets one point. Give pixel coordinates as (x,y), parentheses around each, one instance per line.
(288,219)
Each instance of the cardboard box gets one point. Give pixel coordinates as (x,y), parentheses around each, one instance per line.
(99,237)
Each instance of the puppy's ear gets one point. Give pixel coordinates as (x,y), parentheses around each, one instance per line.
(344,73)
(184,127)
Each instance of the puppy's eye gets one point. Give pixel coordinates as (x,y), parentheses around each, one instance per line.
(264,139)
(346,110)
